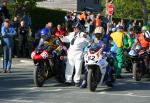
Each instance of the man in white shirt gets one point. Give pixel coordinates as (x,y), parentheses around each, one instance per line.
(78,41)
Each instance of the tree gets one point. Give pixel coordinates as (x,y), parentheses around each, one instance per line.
(145,11)
(22,6)
(131,9)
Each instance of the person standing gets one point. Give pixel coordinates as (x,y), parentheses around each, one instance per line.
(7,34)
(78,41)
(15,24)
(118,38)
(27,20)
(68,22)
(23,40)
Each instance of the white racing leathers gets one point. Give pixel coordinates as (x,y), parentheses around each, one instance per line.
(75,55)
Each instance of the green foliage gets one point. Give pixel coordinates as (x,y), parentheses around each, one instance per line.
(40,16)
(130,9)
(29,3)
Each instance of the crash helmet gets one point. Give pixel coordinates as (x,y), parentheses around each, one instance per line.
(145,28)
(45,32)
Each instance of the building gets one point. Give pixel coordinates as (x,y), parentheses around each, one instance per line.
(77,5)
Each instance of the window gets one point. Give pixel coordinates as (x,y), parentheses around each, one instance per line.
(83,1)
(96,1)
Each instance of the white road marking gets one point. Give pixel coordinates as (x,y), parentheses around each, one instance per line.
(16,100)
(24,64)
(54,90)
(118,94)
(33,88)
(26,61)
(128,94)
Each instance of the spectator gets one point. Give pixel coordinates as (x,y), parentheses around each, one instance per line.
(68,22)
(5,11)
(60,31)
(1,17)
(49,26)
(92,17)
(15,25)
(118,25)
(97,21)
(27,20)
(89,26)
(23,40)
(7,34)
(83,18)
(74,18)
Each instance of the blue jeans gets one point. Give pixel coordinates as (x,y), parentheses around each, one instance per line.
(7,59)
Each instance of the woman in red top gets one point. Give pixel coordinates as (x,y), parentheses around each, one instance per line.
(60,31)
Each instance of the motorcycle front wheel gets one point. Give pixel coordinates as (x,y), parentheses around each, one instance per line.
(93,78)
(137,73)
(39,75)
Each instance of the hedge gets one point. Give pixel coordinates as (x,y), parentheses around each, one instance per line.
(40,16)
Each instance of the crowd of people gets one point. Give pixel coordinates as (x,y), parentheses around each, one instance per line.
(80,30)
(83,28)
(14,35)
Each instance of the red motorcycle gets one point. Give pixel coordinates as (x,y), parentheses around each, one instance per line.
(47,66)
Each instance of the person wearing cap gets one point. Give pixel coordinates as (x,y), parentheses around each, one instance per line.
(7,34)
(118,38)
(78,41)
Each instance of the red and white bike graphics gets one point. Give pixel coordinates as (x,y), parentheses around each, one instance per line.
(43,55)
(96,64)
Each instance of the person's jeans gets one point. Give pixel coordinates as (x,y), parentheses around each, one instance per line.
(7,57)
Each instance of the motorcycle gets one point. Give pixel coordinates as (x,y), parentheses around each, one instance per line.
(127,62)
(47,66)
(96,63)
(138,64)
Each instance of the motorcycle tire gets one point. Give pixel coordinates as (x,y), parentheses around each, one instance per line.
(93,79)
(137,73)
(38,76)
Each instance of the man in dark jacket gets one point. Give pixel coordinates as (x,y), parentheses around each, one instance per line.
(23,40)
(15,25)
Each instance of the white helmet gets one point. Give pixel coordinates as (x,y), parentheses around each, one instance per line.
(132,53)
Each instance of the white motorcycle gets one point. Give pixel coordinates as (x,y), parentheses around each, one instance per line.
(96,63)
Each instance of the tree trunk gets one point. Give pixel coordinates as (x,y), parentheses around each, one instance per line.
(145,11)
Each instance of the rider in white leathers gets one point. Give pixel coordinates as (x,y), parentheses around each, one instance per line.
(78,41)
